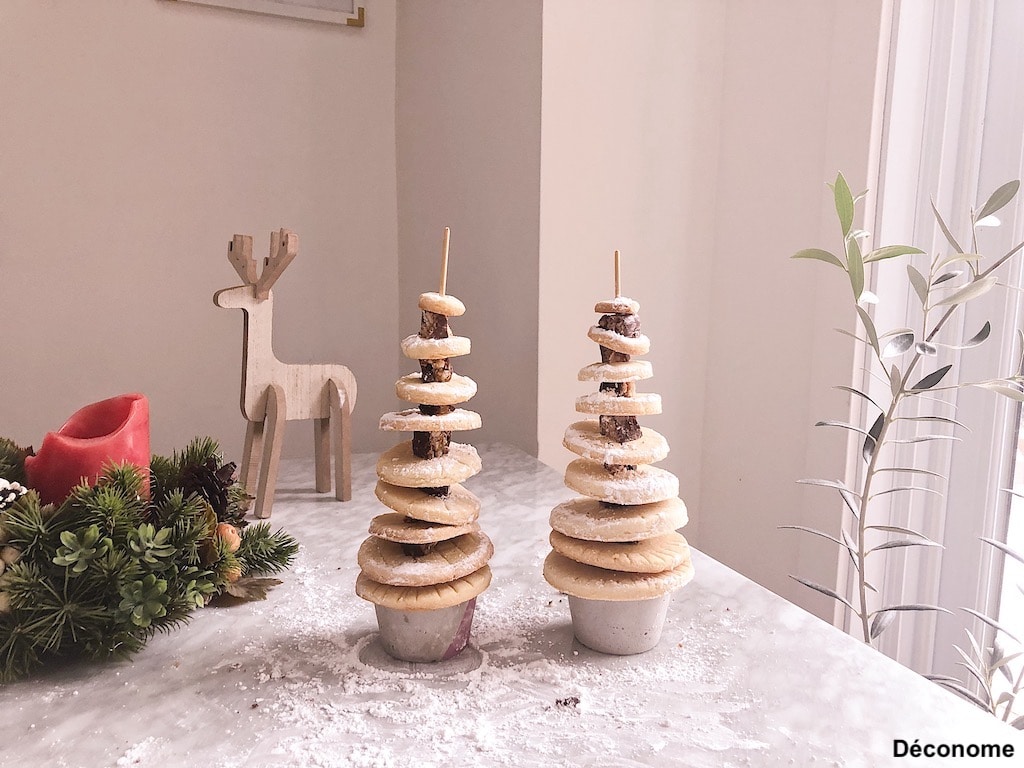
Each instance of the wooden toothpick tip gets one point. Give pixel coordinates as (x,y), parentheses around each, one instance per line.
(444,260)
(618,276)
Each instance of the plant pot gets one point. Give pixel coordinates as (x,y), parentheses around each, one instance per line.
(112,431)
(426,636)
(619,627)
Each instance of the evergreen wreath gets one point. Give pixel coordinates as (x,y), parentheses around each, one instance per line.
(101,573)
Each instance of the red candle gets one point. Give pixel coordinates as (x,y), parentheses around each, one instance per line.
(110,431)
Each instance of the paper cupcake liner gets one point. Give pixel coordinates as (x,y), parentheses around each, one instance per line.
(619,627)
(426,636)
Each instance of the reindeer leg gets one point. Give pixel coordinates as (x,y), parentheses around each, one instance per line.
(274,427)
(322,453)
(250,455)
(341,415)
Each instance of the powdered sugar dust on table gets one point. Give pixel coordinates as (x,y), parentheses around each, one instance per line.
(740,677)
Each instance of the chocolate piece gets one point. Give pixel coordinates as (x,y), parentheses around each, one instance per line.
(430,445)
(440,491)
(436,370)
(436,410)
(417,550)
(618,469)
(624,325)
(621,429)
(620,388)
(433,325)
(611,356)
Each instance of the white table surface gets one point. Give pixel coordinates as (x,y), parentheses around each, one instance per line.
(740,678)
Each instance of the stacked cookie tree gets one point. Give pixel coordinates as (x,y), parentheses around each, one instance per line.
(426,562)
(616,552)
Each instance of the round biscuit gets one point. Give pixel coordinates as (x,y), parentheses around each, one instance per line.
(630,370)
(594,520)
(427,598)
(620,305)
(642,485)
(584,438)
(458,507)
(592,583)
(385,562)
(610,404)
(413,389)
(662,553)
(412,420)
(400,466)
(418,348)
(627,345)
(441,303)
(405,530)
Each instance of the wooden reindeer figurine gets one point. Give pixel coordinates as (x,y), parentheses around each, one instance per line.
(274,392)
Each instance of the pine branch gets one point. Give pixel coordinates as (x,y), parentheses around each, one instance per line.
(264,552)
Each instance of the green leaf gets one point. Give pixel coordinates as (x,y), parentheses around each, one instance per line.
(941,419)
(958,257)
(896,528)
(891,251)
(914,607)
(999,199)
(855,266)
(819,255)
(895,380)
(850,498)
(920,284)
(880,623)
(869,328)
(932,378)
(945,229)
(975,340)
(251,588)
(911,471)
(992,623)
(814,531)
(946,276)
(1004,548)
(825,591)
(1002,389)
(841,425)
(970,291)
(844,203)
(925,439)
(899,344)
(900,488)
(871,439)
(897,543)
(857,392)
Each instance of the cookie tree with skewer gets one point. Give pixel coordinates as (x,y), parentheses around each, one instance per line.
(616,552)
(425,563)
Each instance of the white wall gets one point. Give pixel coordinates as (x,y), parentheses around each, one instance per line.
(696,137)
(468,129)
(136,138)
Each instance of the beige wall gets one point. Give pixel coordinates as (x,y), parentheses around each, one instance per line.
(696,137)
(468,127)
(135,139)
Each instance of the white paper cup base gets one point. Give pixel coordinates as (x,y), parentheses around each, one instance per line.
(426,636)
(620,627)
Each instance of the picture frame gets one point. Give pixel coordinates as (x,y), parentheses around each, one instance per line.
(345,12)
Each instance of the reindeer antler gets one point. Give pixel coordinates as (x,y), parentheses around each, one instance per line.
(284,246)
(240,256)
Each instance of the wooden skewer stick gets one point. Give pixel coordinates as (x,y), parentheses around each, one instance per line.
(444,260)
(618,276)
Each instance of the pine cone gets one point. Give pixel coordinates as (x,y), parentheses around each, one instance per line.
(214,484)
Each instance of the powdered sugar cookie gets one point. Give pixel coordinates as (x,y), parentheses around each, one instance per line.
(594,520)
(413,420)
(636,345)
(413,389)
(592,583)
(405,530)
(642,485)
(584,438)
(620,305)
(610,404)
(400,466)
(442,304)
(630,370)
(418,348)
(386,561)
(458,507)
(428,598)
(662,553)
